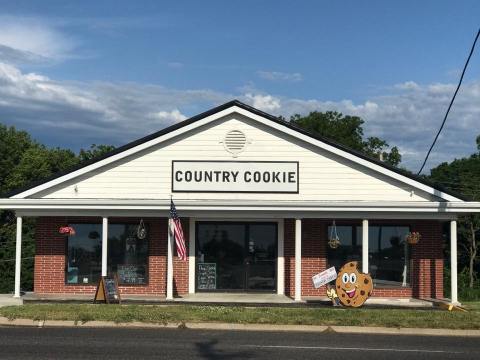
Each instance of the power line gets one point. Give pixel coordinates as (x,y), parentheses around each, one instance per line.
(451,102)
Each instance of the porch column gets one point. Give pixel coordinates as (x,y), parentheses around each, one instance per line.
(365,246)
(104,245)
(298,259)
(191,257)
(280,259)
(169,263)
(453,261)
(18,257)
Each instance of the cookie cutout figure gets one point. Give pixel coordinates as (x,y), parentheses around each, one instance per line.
(352,286)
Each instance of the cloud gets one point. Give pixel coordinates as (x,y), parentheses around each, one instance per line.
(25,39)
(263,102)
(280,76)
(75,114)
(175,115)
(409,116)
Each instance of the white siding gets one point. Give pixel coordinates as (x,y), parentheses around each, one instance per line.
(322,175)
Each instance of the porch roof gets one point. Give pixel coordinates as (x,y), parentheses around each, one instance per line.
(234,208)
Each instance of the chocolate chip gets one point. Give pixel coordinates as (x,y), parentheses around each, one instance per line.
(366,281)
(362,292)
(352,264)
(338,286)
(348,301)
(343,295)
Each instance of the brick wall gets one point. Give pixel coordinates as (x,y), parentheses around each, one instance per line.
(50,258)
(426,264)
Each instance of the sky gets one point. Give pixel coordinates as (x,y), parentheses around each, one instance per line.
(73,73)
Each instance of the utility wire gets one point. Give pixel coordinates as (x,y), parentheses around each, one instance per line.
(451,102)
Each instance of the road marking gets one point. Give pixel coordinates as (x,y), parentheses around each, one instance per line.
(349,348)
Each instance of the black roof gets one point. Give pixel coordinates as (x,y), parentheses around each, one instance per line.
(248,108)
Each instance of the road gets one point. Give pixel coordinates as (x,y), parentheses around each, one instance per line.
(84,343)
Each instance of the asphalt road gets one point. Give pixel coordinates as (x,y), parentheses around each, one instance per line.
(74,343)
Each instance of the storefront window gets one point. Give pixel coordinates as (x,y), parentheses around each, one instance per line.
(127,254)
(388,254)
(84,260)
(349,249)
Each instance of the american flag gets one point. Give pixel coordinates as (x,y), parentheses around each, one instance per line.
(177,232)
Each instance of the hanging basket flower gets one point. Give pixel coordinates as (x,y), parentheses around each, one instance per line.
(334,240)
(413,237)
(67,230)
(334,243)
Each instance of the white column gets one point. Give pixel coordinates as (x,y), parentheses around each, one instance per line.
(298,259)
(191,257)
(169,264)
(280,260)
(365,246)
(453,261)
(18,257)
(104,245)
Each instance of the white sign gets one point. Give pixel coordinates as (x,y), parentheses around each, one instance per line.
(235,176)
(324,277)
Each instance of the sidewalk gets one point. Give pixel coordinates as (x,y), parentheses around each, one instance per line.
(8,300)
(242,327)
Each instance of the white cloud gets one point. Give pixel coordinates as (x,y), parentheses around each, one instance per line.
(32,40)
(263,102)
(280,76)
(175,115)
(79,113)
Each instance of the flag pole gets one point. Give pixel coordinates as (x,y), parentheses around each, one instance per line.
(169,258)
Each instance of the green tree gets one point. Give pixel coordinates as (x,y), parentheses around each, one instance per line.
(348,131)
(463,176)
(94,152)
(23,161)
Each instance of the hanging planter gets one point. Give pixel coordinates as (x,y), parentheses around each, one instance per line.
(334,240)
(67,230)
(141,230)
(413,237)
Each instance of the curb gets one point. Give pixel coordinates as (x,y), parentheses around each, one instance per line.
(242,327)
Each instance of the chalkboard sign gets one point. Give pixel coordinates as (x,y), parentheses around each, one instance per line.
(131,274)
(107,291)
(207,276)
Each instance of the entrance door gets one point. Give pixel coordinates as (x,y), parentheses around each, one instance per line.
(236,256)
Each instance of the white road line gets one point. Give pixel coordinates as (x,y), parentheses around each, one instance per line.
(349,348)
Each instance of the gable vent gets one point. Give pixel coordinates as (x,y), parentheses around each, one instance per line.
(235,141)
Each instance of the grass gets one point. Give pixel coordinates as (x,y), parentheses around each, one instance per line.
(162,314)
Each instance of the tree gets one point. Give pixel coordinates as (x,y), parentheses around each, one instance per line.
(94,152)
(23,161)
(347,130)
(463,176)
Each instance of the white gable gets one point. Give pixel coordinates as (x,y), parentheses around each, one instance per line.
(323,175)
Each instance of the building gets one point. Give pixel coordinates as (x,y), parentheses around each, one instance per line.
(262,204)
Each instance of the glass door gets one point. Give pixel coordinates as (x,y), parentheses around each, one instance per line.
(236,256)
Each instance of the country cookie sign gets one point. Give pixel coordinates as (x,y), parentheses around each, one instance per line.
(353,287)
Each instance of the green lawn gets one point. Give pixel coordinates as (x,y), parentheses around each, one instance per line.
(246,315)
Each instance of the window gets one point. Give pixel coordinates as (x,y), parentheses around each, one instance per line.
(350,248)
(127,254)
(84,254)
(388,252)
